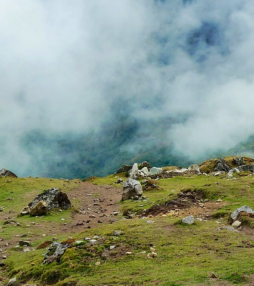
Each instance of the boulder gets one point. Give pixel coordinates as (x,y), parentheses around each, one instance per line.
(145,171)
(222,166)
(231,172)
(243,209)
(133,171)
(52,198)
(132,189)
(55,252)
(39,209)
(188,220)
(7,173)
(194,167)
(124,168)
(155,171)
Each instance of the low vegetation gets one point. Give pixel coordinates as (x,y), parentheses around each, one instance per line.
(146,244)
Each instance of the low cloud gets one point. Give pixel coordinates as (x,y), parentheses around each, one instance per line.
(126,77)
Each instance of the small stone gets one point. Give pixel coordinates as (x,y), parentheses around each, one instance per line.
(212,275)
(237,223)
(13,282)
(188,220)
(112,247)
(128,253)
(97,263)
(117,233)
(150,221)
(152,255)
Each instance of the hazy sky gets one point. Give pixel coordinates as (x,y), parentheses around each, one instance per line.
(64,64)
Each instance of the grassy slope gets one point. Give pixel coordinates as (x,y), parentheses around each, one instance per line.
(186,254)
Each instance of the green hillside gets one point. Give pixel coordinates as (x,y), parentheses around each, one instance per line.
(143,243)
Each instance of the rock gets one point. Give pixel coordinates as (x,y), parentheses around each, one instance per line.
(231,172)
(26,211)
(188,220)
(133,171)
(7,173)
(217,174)
(244,209)
(131,188)
(144,164)
(155,171)
(246,168)
(39,209)
(152,255)
(145,171)
(230,228)
(24,243)
(117,232)
(212,275)
(13,282)
(52,198)
(55,252)
(194,167)
(222,166)
(236,223)
(124,168)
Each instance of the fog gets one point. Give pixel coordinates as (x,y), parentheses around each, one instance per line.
(87,86)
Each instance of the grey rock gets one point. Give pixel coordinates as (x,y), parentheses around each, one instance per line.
(245,209)
(188,220)
(13,282)
(117,233)
(53,198)
(133,171)
(238,161)
(230,228)
(7,173)
(131,189)
(155,171)
(55,252)
(145,171)
(222,166)
(194,167)
(231,172)
(236,223)
(246,168)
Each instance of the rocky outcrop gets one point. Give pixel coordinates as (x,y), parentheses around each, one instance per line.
(54,198)
(222,166)
(55,252)
(132,189)
(7,173)
(44,202)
